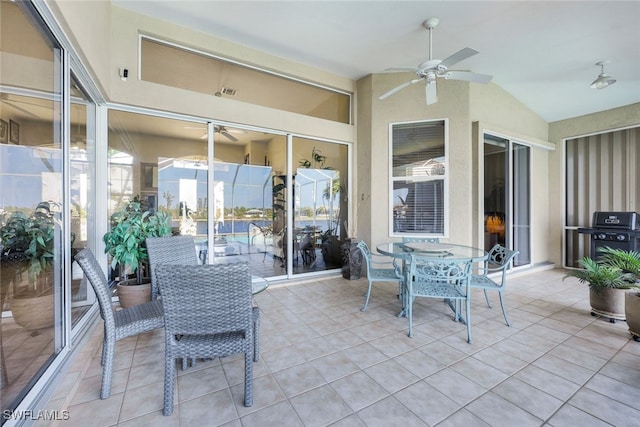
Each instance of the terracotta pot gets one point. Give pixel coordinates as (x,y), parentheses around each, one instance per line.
(133,294)
(632,312)
(608,302)
(33,313)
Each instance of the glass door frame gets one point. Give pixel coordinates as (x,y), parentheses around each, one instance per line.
(509,192)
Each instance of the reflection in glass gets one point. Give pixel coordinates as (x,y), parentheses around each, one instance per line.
(31,212)
(320,206)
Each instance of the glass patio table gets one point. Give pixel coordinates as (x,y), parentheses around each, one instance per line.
(432,251)
(435,251)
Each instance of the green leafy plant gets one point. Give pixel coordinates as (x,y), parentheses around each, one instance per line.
(30,238)
(627,261)
(125,241)
(600,275)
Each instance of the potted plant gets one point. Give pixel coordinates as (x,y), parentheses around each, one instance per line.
(27,247)
(125,243)
(628,262)
(607,287)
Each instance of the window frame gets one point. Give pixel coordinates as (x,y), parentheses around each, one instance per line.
(444,178)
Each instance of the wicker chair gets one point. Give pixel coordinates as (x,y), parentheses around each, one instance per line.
(379,269)
(208,313)
(117,324)
(173,250)
(181,250)
(497,262)
(441,279)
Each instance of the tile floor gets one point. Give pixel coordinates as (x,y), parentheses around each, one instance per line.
(324,362)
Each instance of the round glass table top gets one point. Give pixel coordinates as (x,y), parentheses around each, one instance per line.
(446,251)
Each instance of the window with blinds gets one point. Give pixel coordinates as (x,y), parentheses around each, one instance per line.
(418,180)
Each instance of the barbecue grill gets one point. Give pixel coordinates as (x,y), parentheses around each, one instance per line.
(617,230)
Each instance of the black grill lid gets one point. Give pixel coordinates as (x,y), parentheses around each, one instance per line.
(616,220)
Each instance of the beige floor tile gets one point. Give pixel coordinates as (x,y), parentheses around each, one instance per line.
(320,406)
(389,412)
(455,386)
(299,379)
(527,397)
(324,362)
(570,416)
(391,375)
(605,408)
(359,390)
(281,414)
(432,409)
(499,412)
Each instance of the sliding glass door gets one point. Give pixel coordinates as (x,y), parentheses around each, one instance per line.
(507,196)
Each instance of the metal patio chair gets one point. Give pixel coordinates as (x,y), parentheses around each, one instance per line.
(498,261)
(440,279)
(380,268)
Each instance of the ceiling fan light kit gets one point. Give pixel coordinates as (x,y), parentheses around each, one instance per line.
(603,80)
(430,69)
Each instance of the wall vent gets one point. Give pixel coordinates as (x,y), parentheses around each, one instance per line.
(228,91)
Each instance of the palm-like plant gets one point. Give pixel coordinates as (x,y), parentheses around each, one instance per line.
(627,261)
(599,276)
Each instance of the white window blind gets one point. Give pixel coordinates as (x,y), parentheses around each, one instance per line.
(418,177)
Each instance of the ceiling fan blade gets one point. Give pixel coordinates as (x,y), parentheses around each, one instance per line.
(412,69)
(467,76)
(229,136)
(398,88)
(460,55)
(431,93)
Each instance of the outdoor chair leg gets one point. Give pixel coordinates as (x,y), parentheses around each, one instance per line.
(504,310)
(366,301)
(486,297)
(107,369)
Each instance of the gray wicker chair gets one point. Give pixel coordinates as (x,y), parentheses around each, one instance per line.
(118,324)
(173,250)
(208,313)
(181,250)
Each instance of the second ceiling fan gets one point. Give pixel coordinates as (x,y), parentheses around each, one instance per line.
(431,69)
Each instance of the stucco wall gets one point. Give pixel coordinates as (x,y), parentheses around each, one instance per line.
(462,104)
(496,111)
(601,122)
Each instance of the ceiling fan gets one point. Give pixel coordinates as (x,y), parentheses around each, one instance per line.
(222,130)
(225,132)
(430,69)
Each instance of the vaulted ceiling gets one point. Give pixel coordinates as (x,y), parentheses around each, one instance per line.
(543,53)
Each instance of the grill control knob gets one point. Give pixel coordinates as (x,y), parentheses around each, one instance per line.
(601,236)
(621,237)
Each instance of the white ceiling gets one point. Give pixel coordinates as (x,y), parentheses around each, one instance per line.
(541,52)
